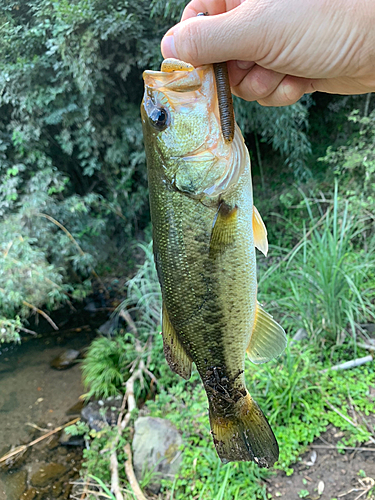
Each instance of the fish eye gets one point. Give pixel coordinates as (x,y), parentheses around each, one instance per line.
(159,118)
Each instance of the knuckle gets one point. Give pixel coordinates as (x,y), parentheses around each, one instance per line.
(290,92)
(257,87)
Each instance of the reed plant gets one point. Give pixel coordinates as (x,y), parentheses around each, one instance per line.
(326,284)
(143,296)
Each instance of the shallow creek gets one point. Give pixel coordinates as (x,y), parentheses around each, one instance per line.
(31,392)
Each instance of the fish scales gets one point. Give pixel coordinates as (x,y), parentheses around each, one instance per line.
(214,292)
(202,215)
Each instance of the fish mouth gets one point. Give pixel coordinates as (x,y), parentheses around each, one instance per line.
(181,80)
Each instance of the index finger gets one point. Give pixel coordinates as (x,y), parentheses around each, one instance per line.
(212,7)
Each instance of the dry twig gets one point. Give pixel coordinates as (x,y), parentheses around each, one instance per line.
(349,364)
(131,476)
(21,449)
(35,309)
(123,422)
(347,419)
(366,346)
(332,447)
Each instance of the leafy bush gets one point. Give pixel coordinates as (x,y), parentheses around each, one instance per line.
(71,151)
(283,128)
(106,366)
(354,162)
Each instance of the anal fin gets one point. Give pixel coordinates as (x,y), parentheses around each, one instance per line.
(268,339)
(174,352)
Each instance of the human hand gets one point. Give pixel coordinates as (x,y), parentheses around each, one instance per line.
(278,50)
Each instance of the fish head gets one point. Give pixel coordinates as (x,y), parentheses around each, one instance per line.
(181,126)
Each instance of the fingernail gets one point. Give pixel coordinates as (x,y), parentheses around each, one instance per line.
(245,64)
(167,47)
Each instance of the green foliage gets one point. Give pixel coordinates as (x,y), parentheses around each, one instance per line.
(78,429)
(97,456)
(303,493)
(294,395)
(283,128)
(71,142)
(327,280)
(354,162)
(9,330)
(104,487)
(70,138)
(106,365)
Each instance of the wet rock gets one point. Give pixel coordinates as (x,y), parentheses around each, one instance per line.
(66,360)
(14,484)
(156,446)
(99,414)
(75,409)
(69,440)
(30,494)
(109,326)
(47,473)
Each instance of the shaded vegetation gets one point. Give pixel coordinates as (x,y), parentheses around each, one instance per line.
(71,143)
(73,198)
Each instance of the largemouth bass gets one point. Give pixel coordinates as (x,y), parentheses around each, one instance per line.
(205,230)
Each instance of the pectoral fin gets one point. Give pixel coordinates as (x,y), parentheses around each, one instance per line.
(260,232)
(268,339)
(224,230)
(174,352)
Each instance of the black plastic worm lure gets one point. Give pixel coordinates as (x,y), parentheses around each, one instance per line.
(224,96)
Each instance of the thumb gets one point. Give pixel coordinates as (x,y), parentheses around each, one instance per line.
(236,34)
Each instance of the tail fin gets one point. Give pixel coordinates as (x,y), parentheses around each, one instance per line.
(244,435)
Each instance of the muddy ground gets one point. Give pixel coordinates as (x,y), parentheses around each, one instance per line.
(348,476)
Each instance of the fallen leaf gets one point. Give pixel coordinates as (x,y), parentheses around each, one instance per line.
(313,458)
(320,487)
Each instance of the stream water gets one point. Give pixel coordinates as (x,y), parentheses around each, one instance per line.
(34,394)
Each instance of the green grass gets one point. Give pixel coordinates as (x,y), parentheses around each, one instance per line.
(293,394)
(326,285)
